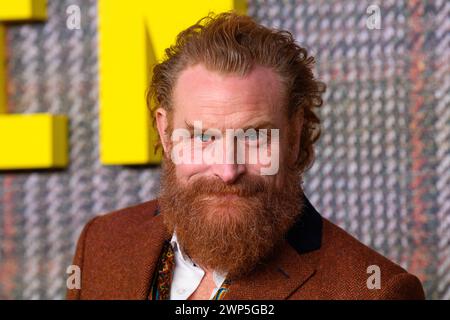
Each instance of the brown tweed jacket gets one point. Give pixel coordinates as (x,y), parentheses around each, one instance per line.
(118,252)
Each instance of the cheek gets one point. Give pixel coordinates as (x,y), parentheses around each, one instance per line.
(253,169)
(185,171)
(285,149)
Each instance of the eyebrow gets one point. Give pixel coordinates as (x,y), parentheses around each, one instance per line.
(260,125)
(265,124)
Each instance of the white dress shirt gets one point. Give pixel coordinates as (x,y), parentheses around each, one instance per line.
(187,275)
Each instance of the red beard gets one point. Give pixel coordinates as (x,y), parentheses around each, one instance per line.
(229,228)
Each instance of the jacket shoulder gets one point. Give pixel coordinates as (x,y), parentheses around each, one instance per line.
(338,243)
(129,218)
(348,264)
(109,251)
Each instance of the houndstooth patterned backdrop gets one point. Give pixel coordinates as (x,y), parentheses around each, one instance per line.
(383,162)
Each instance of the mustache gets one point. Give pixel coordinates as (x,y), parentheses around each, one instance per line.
(244,186)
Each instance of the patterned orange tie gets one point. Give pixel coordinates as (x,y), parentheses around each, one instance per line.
(160,287)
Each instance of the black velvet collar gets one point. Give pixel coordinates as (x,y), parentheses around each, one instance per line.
(306,234)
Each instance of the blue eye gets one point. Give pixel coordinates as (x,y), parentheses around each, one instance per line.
(253,136)
(204,137)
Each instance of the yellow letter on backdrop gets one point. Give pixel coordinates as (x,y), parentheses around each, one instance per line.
(133,35)
(28,140)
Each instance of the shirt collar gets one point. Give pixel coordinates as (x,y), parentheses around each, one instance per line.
(177,248)
(219,277)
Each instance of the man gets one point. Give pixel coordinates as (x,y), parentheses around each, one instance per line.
(234,106)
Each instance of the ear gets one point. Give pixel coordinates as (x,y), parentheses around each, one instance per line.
(162,123)
(296,125)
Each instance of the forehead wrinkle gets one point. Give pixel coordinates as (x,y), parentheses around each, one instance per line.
(217,105)
(233,120)
(246,90)
(241,123)
(221,107)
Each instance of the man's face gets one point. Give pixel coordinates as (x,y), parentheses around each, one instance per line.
(227,215)
(220,103)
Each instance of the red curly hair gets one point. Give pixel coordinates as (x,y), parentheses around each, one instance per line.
(234,43)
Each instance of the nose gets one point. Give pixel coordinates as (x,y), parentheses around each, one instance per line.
(229,173)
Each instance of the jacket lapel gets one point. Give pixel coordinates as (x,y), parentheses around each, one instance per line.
(155,236)
(293,265)
(139,255)
(277,280)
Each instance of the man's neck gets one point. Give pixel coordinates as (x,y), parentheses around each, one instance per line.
(205,288)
